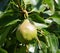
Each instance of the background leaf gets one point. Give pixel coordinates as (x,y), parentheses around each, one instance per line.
(4,34)
(3,51)
(56,19)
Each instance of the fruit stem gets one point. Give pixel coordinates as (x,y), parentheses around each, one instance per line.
(23,10)
(25,13)
(39,43)
(19,5)
(27,48)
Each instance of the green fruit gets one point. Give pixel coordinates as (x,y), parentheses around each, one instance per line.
(26,31)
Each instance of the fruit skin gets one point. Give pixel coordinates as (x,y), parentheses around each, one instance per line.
(26,31)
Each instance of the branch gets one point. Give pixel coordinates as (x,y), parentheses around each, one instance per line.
(19,5)
(23,10)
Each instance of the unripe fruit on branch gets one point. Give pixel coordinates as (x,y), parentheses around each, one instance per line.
(26,31)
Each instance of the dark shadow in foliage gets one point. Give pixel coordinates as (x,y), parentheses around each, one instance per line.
(8,18)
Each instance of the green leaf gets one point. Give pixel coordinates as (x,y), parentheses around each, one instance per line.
(38,6)
(3,34)
(49,12)
(57,5)
(36,48)
(48,21)
(3,51)
(36,17)
(21,49)
(56,19)
(42,8)
(58,51)
(50,4)
(33,2)
(20,2)
(26,1)
(58,2)
(7,18)
(1,14)
(52,42)
(29,7)
(40,25)
(12,22)
(44,47)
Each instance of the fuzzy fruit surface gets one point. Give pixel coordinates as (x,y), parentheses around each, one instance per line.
(26,31)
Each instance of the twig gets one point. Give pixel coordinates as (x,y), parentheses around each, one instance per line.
(39,42)
(19,5)
(23,10)
(26,48)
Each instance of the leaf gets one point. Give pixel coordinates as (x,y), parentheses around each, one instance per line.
(52,42)
(1,14)
(42,8)
(36,48)
(49,12)
(38,6)
(33,2)
(58,2)
(26,1)
(29,7)
(56,19)
(36,17)
(36,3)
(51,6)
(7,18)
(58,51)
(19,3)
(40,25)
(3,51)
(3,34)
(21,49)
(39,9)
(43,48)
(12,22)
(48,21)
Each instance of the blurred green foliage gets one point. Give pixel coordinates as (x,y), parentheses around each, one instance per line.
(44,14)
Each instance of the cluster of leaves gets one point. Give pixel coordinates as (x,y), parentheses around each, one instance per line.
(45,15)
